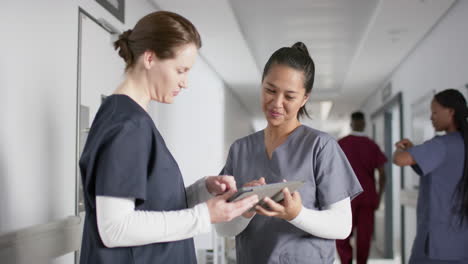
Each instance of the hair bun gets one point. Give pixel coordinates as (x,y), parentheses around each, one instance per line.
(126,34)
(301,47)
(122,45)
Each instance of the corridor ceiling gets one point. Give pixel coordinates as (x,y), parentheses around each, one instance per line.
(356,44)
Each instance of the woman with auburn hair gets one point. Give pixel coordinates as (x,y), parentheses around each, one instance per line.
(137,207)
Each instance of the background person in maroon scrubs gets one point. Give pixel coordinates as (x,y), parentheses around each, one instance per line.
(365,156)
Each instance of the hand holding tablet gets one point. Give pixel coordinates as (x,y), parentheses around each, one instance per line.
(273,191)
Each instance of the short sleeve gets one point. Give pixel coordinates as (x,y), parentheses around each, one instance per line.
(428,156)
(227,169)
(122,163)
(334,177)
(379,156)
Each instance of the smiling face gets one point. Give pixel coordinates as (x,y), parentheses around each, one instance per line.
(167,77)
(442,117)
(283,94)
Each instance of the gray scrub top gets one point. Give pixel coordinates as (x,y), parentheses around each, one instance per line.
(440,164)
(309,155)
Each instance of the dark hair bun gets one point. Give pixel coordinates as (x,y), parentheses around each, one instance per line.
(122,45)
(301,47)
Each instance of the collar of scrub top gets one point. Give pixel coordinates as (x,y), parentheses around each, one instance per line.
(359,134)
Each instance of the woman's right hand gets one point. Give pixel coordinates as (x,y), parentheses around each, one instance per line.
(261,181)
(223,211)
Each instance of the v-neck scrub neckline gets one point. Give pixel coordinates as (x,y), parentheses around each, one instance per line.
(278,148)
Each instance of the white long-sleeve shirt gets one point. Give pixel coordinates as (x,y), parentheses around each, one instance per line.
(120,225)
(334,222)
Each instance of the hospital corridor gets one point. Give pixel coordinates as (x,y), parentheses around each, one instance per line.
(128,126)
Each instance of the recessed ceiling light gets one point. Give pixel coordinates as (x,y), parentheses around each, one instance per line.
(395,40)
(397,31)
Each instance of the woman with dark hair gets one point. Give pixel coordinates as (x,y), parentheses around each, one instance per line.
(442,163)
(301,228)
(137,207)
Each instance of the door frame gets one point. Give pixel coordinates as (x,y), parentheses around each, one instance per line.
(396,100)
(81,14)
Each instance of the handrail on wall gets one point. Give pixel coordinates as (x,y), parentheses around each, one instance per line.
(41,243)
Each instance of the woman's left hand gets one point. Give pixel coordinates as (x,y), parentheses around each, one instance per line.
(287,209)
(404,144)
(217,185)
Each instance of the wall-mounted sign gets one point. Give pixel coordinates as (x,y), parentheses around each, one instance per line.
(115,7)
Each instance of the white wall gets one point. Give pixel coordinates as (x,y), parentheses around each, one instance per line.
(236,121)
(38,80)
(38,71)
(437,63)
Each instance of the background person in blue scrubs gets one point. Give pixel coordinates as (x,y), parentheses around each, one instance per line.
(302,228)
(442,163)
(137,207)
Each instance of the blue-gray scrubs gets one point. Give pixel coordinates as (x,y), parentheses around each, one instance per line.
(309,155)
(439,237)
(125,156)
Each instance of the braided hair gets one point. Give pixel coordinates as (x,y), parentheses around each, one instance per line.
(453,99)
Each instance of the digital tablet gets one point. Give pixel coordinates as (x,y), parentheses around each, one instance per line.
(272,190)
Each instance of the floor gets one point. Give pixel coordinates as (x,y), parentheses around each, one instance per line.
(376,258)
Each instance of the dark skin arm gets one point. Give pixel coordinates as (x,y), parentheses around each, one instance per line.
(401,156)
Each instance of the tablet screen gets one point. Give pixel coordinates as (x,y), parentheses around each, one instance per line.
(272,190)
